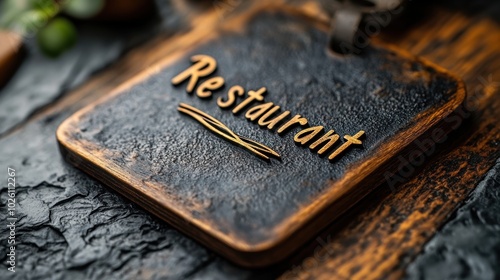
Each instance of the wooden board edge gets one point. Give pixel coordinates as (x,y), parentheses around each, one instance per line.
(241,252)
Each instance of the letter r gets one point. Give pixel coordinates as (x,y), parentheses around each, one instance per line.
(204,65)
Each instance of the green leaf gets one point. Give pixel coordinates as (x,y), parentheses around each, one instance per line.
(27,17)
(31,21)
(10,10)
(83,8)
(56,37)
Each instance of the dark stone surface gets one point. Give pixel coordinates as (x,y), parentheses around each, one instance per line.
(468,246)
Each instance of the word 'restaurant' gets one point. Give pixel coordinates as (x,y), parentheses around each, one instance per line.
(265,114)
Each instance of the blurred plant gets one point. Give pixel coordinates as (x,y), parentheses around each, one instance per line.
(42,18)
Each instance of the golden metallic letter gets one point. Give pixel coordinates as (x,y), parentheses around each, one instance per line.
(252,95)
(255,112)
(204,65)
(263,121)
(232,93)
(330,136)
(351,140)
(205,89)
(306,135)
(297,119)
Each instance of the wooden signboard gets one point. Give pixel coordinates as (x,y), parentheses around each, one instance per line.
(253,140)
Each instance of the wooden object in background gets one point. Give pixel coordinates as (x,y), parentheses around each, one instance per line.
(10,55)
(126,10)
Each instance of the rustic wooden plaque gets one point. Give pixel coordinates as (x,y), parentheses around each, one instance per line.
(254,211)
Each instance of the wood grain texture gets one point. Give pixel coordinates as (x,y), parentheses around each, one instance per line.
(390,228)
(256,222)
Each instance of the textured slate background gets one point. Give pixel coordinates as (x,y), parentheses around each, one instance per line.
(66,232)
(468,246)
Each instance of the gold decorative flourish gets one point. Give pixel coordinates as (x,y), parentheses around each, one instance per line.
(223,131)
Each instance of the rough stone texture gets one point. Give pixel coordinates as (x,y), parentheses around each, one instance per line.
(468,246)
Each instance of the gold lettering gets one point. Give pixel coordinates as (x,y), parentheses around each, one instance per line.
(255,112)
(204,65)
(307,134)
(252,96)
(297,119)
(232,93)
(330,136)
(205,89)
(263,113)
(271,123)
(351,140)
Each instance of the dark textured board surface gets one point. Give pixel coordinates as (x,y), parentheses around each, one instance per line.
(140,139)
(119,250)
